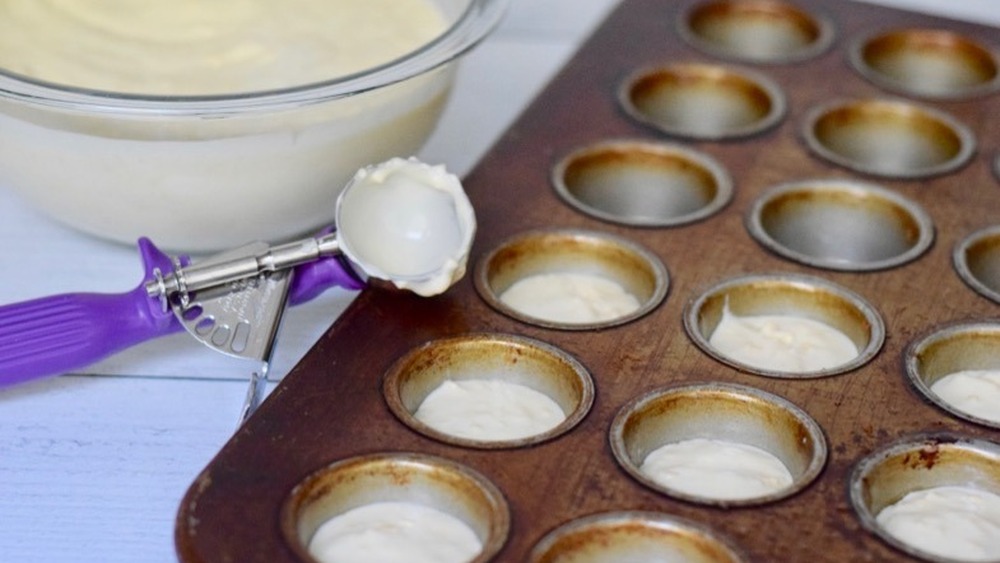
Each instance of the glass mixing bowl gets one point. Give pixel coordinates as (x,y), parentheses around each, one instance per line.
(203,173)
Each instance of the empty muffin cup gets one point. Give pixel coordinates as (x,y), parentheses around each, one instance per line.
(642,183)
(718,444)
(571,279)
(757,31)
(785,326)
(633,536)
(929,63)
(456,508)
(888,138)
(703,101)
(957,368)
(907,494)
(840,225)
(489,391)
(977,260)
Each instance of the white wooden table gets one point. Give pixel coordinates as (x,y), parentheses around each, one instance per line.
(93,465)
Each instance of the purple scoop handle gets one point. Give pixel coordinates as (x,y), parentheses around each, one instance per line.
(60,333)
(57,334)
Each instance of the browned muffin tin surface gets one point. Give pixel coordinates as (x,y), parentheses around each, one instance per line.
(331,406)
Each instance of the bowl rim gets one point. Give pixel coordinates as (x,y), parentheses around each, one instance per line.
(475,22)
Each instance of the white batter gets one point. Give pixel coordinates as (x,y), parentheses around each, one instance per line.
(408,222)
(716,469)
(961,523)
(571,298)
(201,47)
(394,532)
(976,392)
(285,166)
(782,343)
(489,410)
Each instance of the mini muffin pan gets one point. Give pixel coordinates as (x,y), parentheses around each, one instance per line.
(849,175)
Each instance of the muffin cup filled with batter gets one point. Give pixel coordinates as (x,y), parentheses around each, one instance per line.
(928,63)
(785,326)
(977,260)
(934,497)
(703,101)
(571,279)
(489,391)
(888,138)
(633,536)
(357,508)
(957,368)
(840,225)
(758,31)
(642,183)
(718,444)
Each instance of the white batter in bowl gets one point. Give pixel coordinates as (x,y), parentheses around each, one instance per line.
(213,167)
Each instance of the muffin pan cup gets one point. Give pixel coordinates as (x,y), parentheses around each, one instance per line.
(435,483)
(700,101)
(840,225)
(976,259)
(888,138)
(497,357)
(927,63)
(757,31)
(919,462)
(972,345)
(633,536)
(552,251)
(719,411)
(786,294)
(642,183)
(332,406)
